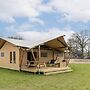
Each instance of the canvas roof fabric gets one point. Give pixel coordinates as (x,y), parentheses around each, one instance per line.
(55,42)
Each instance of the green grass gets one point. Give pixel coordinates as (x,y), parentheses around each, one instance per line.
(79,79)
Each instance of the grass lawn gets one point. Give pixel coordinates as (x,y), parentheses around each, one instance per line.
(79,79)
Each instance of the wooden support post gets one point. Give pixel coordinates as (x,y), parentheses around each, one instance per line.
(21,54)
(64,55)
(39,57)
(33,54)
(57,54)
(19,59)
(53,54)
(39,53)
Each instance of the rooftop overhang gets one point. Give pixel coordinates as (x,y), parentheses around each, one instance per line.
(57,43)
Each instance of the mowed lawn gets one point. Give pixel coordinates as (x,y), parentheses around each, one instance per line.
(79,79)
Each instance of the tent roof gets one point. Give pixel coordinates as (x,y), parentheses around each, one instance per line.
(55,42)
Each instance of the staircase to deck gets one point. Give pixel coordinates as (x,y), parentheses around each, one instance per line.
(50,71)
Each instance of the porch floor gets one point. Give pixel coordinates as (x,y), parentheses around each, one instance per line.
(47,70)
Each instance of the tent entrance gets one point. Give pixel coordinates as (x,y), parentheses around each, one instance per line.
(30,57)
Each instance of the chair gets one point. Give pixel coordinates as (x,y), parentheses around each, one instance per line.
(58,61)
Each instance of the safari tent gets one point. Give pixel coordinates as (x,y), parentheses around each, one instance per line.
(47,56)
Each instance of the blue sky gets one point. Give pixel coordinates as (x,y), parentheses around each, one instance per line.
(43,17)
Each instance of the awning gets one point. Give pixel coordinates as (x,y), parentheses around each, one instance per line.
(57,43)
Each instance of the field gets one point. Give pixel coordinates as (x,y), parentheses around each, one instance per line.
(79,79)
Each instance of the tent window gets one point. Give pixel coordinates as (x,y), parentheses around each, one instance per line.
(10,57)
(14,57)
(2,54)
(43,54)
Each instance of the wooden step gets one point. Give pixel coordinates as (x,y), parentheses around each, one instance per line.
(55,69)
(56,72)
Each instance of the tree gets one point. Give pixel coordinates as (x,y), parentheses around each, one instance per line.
(79,42)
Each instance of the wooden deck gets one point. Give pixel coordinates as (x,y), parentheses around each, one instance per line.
(47,70)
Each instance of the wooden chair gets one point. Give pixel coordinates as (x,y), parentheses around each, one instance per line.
(58,61)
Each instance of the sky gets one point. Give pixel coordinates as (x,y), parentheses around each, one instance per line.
(43,18)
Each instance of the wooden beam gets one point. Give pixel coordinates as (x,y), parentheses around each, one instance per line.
(61,42)
(33,54)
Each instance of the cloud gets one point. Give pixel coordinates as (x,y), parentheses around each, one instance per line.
(37,20)
(72,10)
(27,31)
(11,9)
(14,28)
(38,35)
